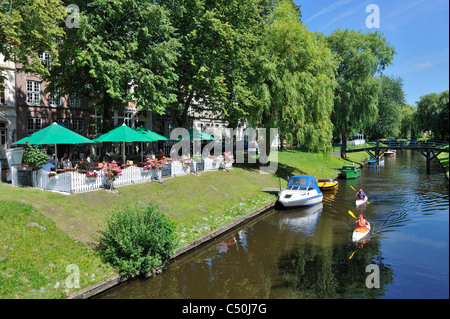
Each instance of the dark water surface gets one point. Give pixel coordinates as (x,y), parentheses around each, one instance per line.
(308,253)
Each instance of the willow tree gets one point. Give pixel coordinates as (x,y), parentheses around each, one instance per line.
(362,57)
(295,80)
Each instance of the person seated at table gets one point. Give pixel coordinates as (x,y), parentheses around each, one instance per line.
(52,159)
(67,163)
(150,155)
(48,167)
(62,158)
(90,161)
(205,153)
(161,154)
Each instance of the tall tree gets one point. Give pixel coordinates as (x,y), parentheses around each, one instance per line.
(432,114)
(218,40)
(123,50)
(390,100)
(295,80)
(28,28)
(408,125)
(362,56)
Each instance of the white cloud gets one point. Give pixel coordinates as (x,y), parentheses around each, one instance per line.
(329,9)
(423,65)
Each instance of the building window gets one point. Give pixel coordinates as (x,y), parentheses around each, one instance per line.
(34,124)
(2,95)
(64,122)
(33,92)
(2,134)
(78,126)
(46,59)
(54,100)
(74,100)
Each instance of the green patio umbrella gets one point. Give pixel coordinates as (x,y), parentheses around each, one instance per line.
(123,134)
(54,134)
(151,134)
(196,135)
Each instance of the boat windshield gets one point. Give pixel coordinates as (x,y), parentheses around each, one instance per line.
(297,181)
(295,188)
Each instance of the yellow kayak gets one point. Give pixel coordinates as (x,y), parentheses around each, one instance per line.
(327,183)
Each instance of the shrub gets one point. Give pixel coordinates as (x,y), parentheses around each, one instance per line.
(34,156)
(137,239)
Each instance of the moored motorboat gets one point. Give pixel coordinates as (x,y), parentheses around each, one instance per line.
(327,184)
(360,232)
(372,160)
(390,153)
(301,190)
(350,171)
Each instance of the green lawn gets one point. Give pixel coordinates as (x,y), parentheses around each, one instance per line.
(33,259)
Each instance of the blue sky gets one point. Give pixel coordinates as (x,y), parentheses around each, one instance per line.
(418,29)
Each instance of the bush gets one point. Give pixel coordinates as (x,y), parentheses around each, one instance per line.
(137,239)
(34,156)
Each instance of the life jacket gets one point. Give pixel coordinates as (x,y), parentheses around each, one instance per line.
(362,228)
(361,195)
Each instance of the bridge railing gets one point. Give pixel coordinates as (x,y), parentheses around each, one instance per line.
(395,143)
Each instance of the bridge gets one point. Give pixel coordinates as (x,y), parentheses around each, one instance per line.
(430,149)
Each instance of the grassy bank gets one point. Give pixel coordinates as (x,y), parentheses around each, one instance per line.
(443,158)
(42,232)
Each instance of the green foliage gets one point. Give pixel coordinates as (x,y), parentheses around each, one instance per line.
(295,80)
(137,239)
(29,28)
(34,156)
(390,99)
(124,50)
(433,114)
(361,57)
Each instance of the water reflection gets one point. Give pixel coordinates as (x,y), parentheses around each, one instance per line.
(301,220)
(308,252)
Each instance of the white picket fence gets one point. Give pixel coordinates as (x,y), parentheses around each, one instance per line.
(74,182)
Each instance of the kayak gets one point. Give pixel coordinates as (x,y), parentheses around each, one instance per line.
(361,201)
(360,232)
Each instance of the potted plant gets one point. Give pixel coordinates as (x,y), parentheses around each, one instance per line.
(112,171)
(91,176)
(53,176)
(34,157)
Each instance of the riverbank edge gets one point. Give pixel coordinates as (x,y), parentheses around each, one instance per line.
(118,279)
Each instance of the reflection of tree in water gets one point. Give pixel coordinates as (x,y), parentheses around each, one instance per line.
(311,271)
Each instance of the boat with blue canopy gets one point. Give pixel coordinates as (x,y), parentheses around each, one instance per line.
(301,190)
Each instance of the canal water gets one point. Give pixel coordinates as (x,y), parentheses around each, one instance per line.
(308,252)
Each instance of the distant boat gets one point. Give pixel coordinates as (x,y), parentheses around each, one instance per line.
(327,184)
(372,160)
(390,153)
(301,190)
(350,171)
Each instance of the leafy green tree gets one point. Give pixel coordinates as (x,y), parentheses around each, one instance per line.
(295,80)
(432,114)
(218,41)
(123,50)
(28,28)
(443,122)
(408,125)
(362,56)
(390,99)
